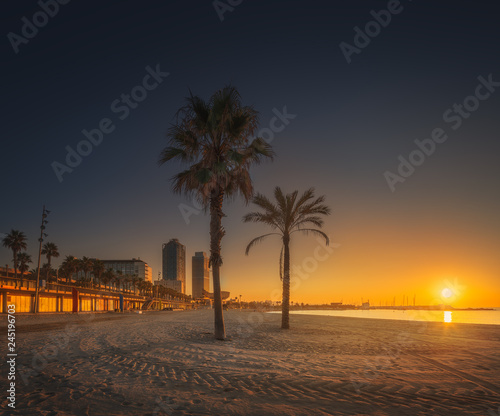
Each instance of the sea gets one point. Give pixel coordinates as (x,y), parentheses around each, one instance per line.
(486,317)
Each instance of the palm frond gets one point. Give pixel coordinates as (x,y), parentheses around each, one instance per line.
(313,231)
(257,240)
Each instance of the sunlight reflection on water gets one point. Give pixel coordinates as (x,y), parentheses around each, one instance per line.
(447,316)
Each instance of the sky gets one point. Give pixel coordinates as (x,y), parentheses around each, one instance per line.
(391,113)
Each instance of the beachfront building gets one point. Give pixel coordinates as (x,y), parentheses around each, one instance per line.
(200,274)
(133,267)
(174,264)
(170,284)
(224,295)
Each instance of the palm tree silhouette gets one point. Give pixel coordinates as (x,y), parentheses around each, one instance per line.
(50,250)
(214,139)
(288,215)
(24,259)
(69,267)
(85,265)
(15,241)
(98,268)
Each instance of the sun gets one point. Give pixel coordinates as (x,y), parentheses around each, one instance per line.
(447,293)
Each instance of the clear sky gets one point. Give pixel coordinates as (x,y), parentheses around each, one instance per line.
(435,228)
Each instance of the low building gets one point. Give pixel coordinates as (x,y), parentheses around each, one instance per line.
(134,267)
(176,285)
(224,294)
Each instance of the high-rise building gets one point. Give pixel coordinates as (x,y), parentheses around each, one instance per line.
(134,267)
(200,273)
(174,262)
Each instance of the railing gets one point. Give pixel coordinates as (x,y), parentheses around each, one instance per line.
(30,285)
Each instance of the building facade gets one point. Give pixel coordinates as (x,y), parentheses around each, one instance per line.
(134,267)
(170,284)
(174,263)
(200,274)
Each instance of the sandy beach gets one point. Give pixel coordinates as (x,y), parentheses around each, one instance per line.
(167,363)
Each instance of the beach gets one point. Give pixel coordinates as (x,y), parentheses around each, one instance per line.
(168,363)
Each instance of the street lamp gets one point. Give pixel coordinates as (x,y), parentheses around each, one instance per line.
(45,213)
(240,302)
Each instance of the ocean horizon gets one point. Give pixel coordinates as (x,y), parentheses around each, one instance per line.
(483,317)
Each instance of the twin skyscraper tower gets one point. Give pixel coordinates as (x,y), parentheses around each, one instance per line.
(174,269)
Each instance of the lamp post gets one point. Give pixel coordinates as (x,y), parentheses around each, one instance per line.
(42,234)
(240,302)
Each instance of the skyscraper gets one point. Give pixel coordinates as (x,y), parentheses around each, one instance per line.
(174,262)
(201,276)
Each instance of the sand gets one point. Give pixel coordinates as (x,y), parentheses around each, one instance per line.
(167,363)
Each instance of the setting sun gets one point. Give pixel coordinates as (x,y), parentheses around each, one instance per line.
(447,293)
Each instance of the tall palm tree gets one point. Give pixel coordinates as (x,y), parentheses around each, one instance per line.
(24,259)
(69,267)
(85,265)
(50,250)
(214,139)
(15,241)
(98,268)
(287,215)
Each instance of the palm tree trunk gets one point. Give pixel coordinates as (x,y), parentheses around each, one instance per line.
(48,269)
(285,304)
(216,234)
(22,272)
(15,263)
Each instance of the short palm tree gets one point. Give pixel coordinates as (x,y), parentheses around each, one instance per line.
(33,274)
(98,268)
(85,265)
(69,267)
(214,139)
(15,241)
(287,215)
(50,250)
(24,260)
(109,277)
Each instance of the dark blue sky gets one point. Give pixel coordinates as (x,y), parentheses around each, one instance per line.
(352,120)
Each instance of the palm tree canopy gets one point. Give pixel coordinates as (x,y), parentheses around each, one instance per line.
(85,265)
(215,139)
(15,241)
(24,259)
(289,214)
(69,266)
(50,250)
(98,267)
